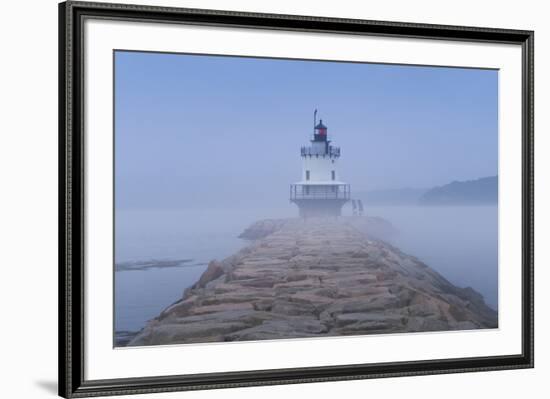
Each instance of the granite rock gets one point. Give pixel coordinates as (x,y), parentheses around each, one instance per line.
(314,278)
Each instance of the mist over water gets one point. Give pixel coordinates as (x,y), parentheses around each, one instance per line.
(198,234)
(461,243)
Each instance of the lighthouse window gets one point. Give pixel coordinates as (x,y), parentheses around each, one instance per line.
(333,173)
(307,174)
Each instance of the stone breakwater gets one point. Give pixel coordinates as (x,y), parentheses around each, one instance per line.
(315,278)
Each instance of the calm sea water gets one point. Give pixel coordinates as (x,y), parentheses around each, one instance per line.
(200,235)
(459,242)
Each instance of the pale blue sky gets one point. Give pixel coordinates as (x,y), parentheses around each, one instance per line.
(192,130)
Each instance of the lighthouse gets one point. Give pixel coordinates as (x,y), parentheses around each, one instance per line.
(320,192)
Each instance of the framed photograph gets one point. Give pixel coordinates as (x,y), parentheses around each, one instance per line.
(252,199)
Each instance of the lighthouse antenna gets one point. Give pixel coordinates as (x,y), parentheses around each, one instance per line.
(314,120)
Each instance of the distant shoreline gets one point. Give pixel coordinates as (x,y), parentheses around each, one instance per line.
(478,192)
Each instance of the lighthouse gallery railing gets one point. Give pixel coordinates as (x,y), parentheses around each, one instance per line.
(331,151)
(320,192)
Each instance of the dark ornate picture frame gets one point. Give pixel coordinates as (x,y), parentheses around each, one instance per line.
(72,382)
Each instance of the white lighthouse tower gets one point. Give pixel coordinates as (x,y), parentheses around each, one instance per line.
(320,192)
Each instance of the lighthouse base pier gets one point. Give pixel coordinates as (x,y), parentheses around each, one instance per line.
(320,208)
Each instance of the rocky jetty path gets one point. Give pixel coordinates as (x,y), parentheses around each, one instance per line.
(315,278)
